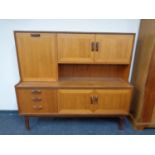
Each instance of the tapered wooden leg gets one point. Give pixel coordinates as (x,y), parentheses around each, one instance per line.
(27,123)
(121,123)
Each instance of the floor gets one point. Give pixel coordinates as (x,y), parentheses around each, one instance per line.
(12,124)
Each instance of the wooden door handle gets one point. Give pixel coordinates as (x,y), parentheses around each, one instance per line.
(92,99)
(96,99)
(92,46)
(97,46)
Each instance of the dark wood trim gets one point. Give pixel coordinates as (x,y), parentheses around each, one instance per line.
(73,32)
(73,115)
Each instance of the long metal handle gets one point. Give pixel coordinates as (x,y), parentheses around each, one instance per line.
(92,46)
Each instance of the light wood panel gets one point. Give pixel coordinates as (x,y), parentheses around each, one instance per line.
(74,101)
(37,56)
(114,48)
(75,48)
(94,70)
(113,100)
(41,101)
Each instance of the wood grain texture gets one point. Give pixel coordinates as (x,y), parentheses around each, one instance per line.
(94,101)
(74,101)
(37,56)
(62,74)
(47,101)
(75,48)
(143,74)
(114,49)
(115,100)
(94,70)
(78,83)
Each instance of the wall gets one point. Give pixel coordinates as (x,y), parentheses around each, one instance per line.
(9,75)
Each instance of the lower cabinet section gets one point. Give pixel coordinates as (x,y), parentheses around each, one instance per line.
(37,101)
(73,101)
(100,101)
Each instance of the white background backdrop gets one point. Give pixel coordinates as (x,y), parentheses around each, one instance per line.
(9,74)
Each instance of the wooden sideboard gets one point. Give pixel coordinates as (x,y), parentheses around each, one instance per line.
(74,74)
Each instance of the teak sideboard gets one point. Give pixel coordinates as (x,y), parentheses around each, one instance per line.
(74,74)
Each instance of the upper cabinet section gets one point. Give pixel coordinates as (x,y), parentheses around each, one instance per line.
(37,56)
(95,48)
(40,52)
(114,48)
(75,48)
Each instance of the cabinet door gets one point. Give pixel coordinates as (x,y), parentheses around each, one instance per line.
(75,48)
(36,101)
(74,101)
(37,56)
(113,101)
(114,48)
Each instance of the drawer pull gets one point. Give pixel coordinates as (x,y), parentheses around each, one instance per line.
(36,99)
(35,35)
(35,91)
(97,46)
(92,46)
(37,107)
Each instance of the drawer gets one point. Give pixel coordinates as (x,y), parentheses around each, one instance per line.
(74,101)
(112,101)
(36,101)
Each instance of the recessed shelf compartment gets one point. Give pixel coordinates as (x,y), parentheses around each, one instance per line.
(93,71)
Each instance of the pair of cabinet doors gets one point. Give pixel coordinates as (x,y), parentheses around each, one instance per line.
(95,48)
(98,101)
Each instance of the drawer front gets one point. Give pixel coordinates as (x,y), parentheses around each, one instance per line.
(113,101)
(37,101)
(74,101)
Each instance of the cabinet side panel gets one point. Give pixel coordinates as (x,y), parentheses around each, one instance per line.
(141,66)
